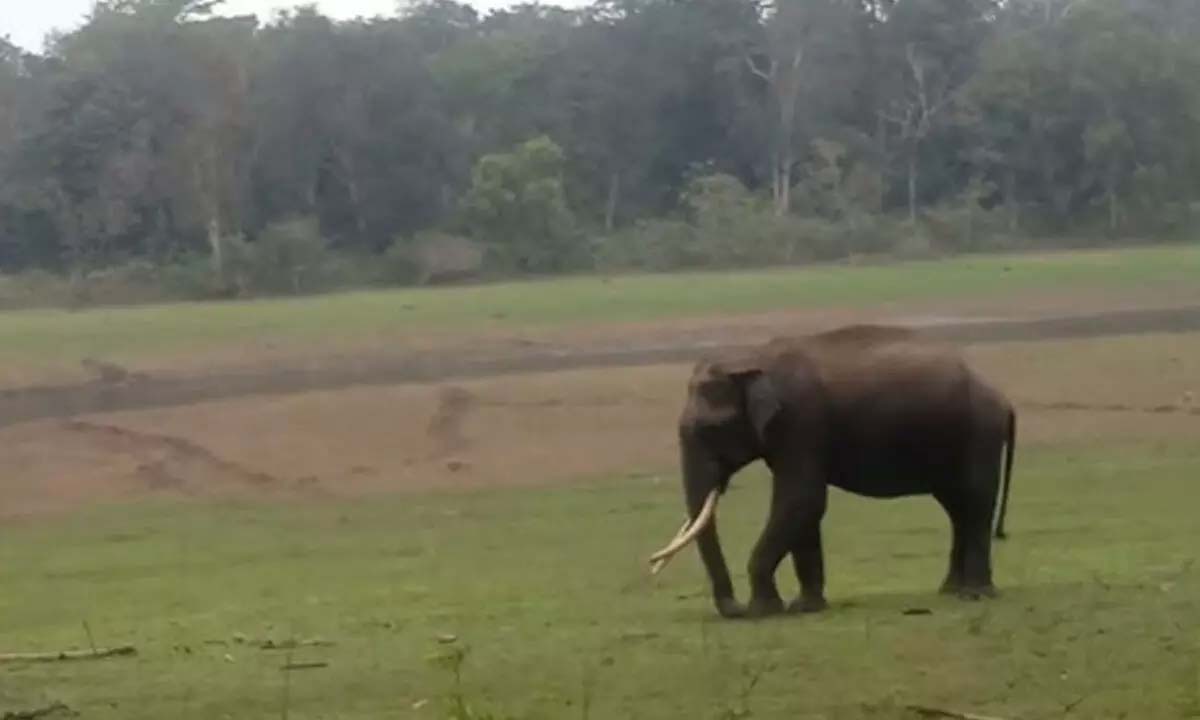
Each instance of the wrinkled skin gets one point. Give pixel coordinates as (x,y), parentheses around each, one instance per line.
(870,409)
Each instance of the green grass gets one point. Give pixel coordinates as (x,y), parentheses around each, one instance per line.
(34,338)
(546,591)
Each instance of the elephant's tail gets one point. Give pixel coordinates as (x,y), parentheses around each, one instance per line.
(1009,450)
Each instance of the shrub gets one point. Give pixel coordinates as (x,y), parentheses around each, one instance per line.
(433,256)
(190,277)
(656,245)
(287,257)
(33,288)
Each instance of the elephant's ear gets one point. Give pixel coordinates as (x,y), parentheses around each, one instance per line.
(762,403)
(735,387)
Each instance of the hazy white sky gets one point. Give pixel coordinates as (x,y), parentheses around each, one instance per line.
(26,22)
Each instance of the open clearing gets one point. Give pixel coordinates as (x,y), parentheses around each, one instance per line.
(534,429)
(507,518)
(547,592)
(514,514)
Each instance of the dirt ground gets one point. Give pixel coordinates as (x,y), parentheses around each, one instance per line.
(535,428)
(149,385)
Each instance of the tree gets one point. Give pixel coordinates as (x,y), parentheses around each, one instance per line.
(516,204)
(158,130)
(803,40)
(216,142)
(932,48)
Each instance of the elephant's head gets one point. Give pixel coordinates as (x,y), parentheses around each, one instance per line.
(723,426)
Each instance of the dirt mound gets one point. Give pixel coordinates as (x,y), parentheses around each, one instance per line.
(446,426)
(74,462)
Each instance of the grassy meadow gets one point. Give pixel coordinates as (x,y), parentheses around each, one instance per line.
(36,338)
(534,602)
(541,600)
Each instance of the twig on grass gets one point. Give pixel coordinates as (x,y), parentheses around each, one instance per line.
(64,655)
(304,665)
(91,640)
(293,644)
(286,705)
(35,713)
(953,714)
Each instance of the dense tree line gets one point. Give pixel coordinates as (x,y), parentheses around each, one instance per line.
(651,133)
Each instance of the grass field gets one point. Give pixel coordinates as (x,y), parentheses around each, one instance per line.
(545,592)
(503,535)
(35,339)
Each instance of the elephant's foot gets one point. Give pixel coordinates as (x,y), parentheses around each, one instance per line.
(729,608)
(765,606)
(975,592)
(808,604)
(961,585)
(951,586)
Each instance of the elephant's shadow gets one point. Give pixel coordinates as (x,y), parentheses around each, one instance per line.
(868,604)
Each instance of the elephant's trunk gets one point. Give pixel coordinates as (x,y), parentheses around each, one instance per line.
(702,482)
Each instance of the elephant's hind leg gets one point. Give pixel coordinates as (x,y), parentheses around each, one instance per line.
(954,503)
(809,561)
(970,507)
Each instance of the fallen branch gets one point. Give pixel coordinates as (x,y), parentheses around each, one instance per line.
(293,644)
(305,666)
(939,713)
(35,712)
(64,655)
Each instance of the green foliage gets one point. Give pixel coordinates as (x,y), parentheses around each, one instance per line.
(191,277)
(517,204)
(728,227)
(288,256)
(537,130)
(432,256)
(33,288)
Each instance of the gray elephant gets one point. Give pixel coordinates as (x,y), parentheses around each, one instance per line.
(874,410)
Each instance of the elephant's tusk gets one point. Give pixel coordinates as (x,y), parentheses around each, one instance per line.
(659,564)
(660,558)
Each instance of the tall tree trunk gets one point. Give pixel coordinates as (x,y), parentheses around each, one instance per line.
(788,95)
(1114,210)
(360,223)
(206,185)
(1010,198)
(614,196)
(776,180)
(217,246)
(785,185)
(310,193)
(912,187)
(350,179)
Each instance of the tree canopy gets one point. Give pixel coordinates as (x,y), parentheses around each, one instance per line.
(159,131)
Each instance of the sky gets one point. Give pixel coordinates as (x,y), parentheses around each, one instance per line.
(26,22)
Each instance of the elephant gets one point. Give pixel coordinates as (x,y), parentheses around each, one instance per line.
(876,410)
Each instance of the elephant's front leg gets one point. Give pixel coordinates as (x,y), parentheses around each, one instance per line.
(796,510)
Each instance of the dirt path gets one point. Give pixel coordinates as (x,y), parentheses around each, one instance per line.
(150,391)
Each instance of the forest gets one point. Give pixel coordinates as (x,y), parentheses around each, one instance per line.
(163,150)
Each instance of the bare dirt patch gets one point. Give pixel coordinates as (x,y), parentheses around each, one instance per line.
(495,432)
(528,429)
(125,390)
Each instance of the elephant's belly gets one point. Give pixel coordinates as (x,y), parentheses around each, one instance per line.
(880,485)
(884,475)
